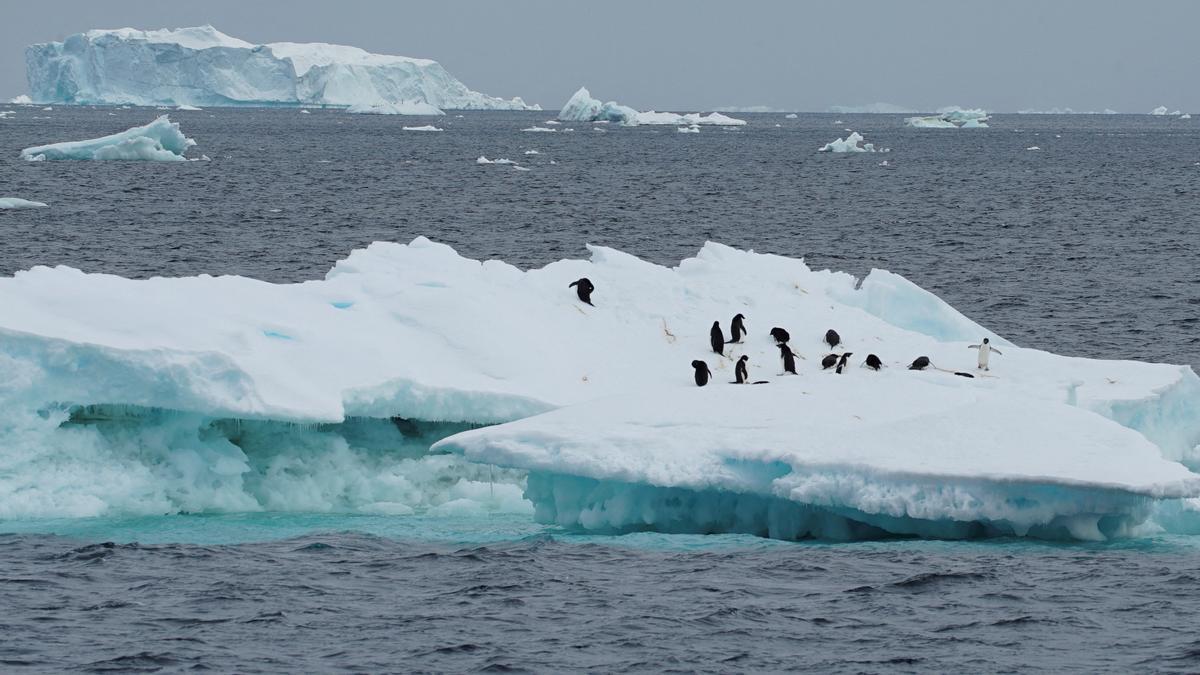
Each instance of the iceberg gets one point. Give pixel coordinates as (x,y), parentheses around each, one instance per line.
(1162,110)
(372,390)
(871,109)
(581,107)
(399,108)
(202,66)
(17,203)
(1185,116)
(951,117)
(852,143)
(22,99)
(160,140)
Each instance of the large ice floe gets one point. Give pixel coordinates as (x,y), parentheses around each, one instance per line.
(160,140)
(951,117)
(202,66)
(411,379)
(581,107)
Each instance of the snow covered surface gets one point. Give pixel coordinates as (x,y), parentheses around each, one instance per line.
(852,143)
(203,66)
(398,108)
(581,107)
(18,203)
(160,140)
(186,383)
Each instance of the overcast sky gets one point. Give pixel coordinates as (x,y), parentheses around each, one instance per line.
(1002,55)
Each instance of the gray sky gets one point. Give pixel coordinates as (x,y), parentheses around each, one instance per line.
(1002,55)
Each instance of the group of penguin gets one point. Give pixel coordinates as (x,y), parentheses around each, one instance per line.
(737,329)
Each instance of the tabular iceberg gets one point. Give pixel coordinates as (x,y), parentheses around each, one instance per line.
(165,395)
(581,107)
(160,140)
(201,66)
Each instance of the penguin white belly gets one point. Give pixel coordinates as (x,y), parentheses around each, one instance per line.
(984,352)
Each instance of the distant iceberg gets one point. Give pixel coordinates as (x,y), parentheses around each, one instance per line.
(852,143)
(22,99)
(581,107)
(398,108)
(951,117)
(160,140)
(1067,111)
(16,203)
(872,109)
(1162,110)
(203,67)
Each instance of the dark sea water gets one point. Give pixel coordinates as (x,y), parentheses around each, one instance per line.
(1086,246)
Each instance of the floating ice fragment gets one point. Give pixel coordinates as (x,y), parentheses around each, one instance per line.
(427,127)
(17,203)
(160,140)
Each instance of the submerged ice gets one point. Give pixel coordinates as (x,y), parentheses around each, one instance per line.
(224,394)
(202,66)
(160,140)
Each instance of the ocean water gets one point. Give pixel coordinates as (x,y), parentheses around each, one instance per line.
(1084,247)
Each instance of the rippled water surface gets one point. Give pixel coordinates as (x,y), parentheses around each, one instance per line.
(1086,246)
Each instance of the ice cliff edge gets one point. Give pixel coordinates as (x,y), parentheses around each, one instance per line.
(202,66)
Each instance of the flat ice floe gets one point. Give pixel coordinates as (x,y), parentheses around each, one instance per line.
(216,394)
(427,127)
(18,203)
(951,117)
(160,140)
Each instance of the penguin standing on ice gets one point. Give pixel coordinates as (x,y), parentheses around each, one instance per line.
(985,351)
(841,365)
(781,336)
(832,338)
(789,358)
(873,362)
(829,361)
(741,374)
(583,288)
(737,328)
(702,372)
(716,338)
(920,363)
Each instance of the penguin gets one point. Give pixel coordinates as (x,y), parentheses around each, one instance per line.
(583,288)
(737,328)
(842,362)
(702,372)
(829,361)
(832,338)
(985,350)
(789,358)
(717,339)
(920,363)
(781,336)
(873,362)
(742,373)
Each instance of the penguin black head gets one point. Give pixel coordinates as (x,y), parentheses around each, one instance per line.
(739,316)
(744,358)
(698,364)
(985,341)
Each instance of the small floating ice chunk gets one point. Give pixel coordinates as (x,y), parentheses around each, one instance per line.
(539,129)
(6,113)
(790,116)
(23,99)
(304,111)
(16,203)
(689,130)
(518,167)
(1033,147)
(852,143)
(160,140)
(398,108)
(427,127)
(484,160)
(188,108)
(48,108)
(532,152)
(1185,116)
(553,122)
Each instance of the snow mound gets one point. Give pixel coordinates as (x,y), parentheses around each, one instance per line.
(951,117)
(204,67)
(852,143)
(160,140)
(581,107)
(398,108)
(17,203)
(427,127)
